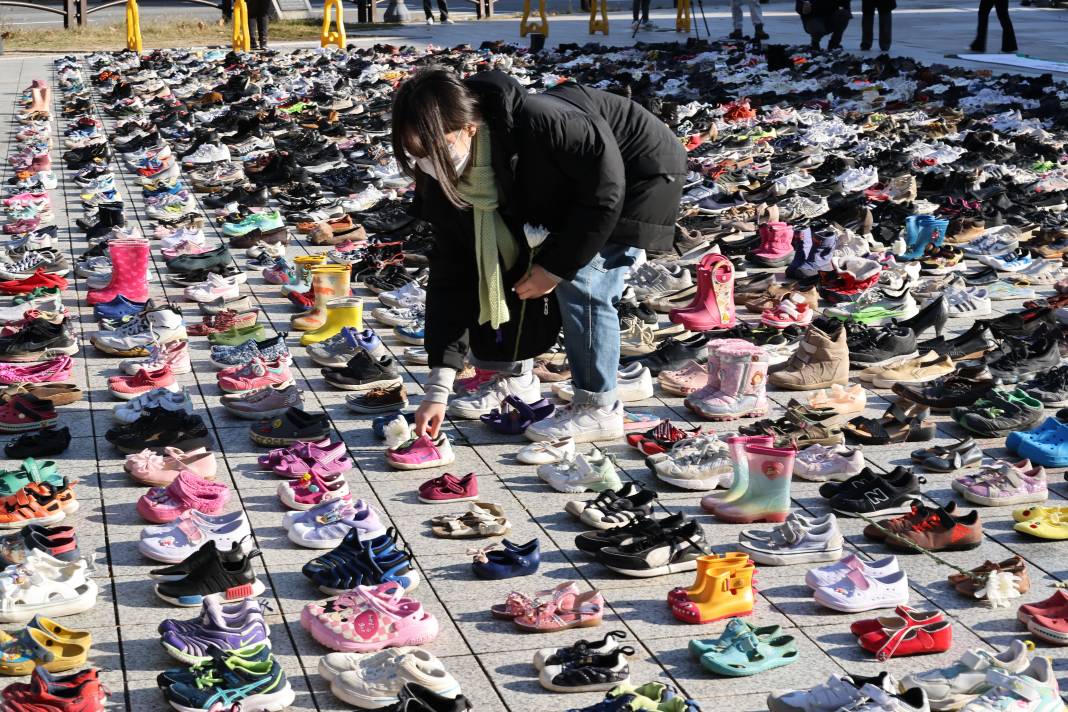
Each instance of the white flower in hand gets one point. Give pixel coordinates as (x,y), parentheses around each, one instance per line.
(536,235)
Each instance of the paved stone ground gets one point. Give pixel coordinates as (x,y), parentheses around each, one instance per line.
(489,657)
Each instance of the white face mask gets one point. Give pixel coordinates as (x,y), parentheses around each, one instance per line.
(459,160)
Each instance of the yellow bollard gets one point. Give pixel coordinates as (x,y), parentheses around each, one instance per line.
(133,27)
(242,41)
(527,26)
(598,24)
(682,16)
(329,36)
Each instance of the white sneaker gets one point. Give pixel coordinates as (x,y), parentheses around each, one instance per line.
(374,680)
(173,398)
(547,453)
(633,384)
(854,180)
(182,234)
(879,700)
(209,153)
(858,592)
(398,316)
(953,687)
(492,394)
(137,335)
(582,473)
(584,424)
(704,466)
(836,693)
(971,301)
(833,573)
(820,463)
(271,249)
(793,543)
(430,20)
(1033,690)
(173,543)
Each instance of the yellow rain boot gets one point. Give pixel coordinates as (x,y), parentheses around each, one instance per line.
(729,594)
(304,265)
(683,594)
(328,282)
(347,311)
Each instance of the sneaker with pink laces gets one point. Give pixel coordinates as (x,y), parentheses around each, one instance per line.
(54,370)
(151,468)
(222,321)
(187,491)
(691,377)
(422,453)
(369,618)
(315,460)
(173,354)
(127,387)
(793,310)
(310,490)
(256,374)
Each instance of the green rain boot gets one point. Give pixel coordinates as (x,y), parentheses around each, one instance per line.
(767,495)
(740,483)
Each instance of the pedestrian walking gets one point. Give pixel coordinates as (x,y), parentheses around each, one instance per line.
(755,16)
(640,12)
(868,8)
(443,8)
(1008,34)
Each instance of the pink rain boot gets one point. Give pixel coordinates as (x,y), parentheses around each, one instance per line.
(712,381)
(767,494)
(776,245)
(740,484)
(713,308)
(129,272)
(743,375)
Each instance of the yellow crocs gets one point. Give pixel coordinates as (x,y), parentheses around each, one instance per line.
(1037,512)
(1051,525)
(46,643)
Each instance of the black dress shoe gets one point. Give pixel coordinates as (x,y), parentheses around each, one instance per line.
(932,316)
(972,344)
(963,387)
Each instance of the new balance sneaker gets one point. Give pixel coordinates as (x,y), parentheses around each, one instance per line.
(583,424)
(492,394)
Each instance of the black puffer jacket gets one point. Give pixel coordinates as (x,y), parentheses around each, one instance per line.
(571,160)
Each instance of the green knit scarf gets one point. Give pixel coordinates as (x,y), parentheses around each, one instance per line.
(494,242)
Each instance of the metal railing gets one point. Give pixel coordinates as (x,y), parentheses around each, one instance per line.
(75,13)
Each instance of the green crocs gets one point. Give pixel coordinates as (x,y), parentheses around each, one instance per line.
(735,629)
(11,481)
(749,655)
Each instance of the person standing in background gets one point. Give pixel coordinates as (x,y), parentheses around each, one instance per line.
(867,23)
(443,8)
(755,16)
(640,11)
(1008,34)
(259,12)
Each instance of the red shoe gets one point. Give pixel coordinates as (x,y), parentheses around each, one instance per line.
(713,307)
(912,640)
(660,439)
(906,617)
(25,412)
(304,300)
(127,387)
(45,692)
(1058,600)
(1051,625)
(40,278)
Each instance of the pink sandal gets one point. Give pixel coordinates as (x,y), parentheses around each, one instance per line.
(161,505)
(298,449)
(518,604)
(311,490)
(313,459)
(369,618)
(150,468)
(563,613)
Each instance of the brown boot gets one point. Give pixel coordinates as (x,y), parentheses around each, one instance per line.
(821,360)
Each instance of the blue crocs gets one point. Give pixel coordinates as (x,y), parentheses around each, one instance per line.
(736,628)
(511,561)
(1047,446)
(1019,437)
(117,308)
(748,655)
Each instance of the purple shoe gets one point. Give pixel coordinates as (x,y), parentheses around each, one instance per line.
(325,526)
(224,626)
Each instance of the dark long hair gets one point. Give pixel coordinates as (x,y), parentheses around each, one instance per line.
(431,103)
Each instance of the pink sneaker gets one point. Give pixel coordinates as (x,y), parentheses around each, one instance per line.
(422,453)
(369,618)
(187,491)
(55,370)
(127,387)
(449,488)
(155,470)
(173,355)
(311,490)
(299,449)
(257,374)
(26,199)
(793,310)
(314,460)
(691,377)
(20,226)
(183,248)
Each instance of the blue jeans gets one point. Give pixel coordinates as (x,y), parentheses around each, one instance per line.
(591,323)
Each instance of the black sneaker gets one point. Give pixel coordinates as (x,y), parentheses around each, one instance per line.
(208,550)
(999,413)
(660,553)
(972,344)
(413,697)
(231,577)
(159,428)
(1024,323)
(202,262)
(38,341)
(363,372)
(672,354)
(1050,387)
(593,541)
(43,443)
(830,490)
(1023,361)
(878,497)
(247,195)
(878,346)
(962,387)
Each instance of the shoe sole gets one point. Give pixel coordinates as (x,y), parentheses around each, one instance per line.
(369,386)
(278,442)
(44,355)
(413,582)
(652,573)
(885,362)
(422,465)
(230,392)
(878,382)
(364,410)
(110,351)
(411,340)
(235,593)
(808,557)
(705,485)
(587,436)
(262,415)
